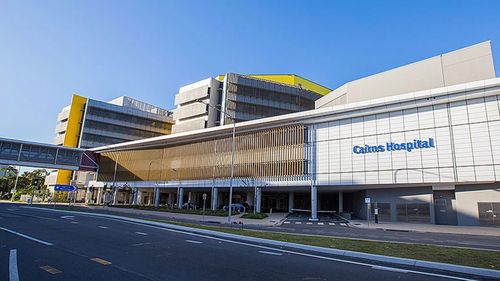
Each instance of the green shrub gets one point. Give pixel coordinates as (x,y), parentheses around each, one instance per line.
(257,216)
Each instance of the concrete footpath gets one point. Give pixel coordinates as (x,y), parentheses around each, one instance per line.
(423,227)
(272,219)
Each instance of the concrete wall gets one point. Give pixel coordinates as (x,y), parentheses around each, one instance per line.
(467,197)
(464,65)
(401,195)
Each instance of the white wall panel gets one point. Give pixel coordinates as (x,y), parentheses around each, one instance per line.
(385,177)
(466,174)
(431,175)
(426,117)
(345,128)
(371,159)
(357,127)
(335,178)
(396,121)
(346,178)
(358,178)
(446,175)
(429,156)
(477,110)
(346,155)
(383,124)
(398,157)
(322,156)
(385,158)
(463,146)
(410,119)
(481,140)
(415,175)
(413,158)
(322,132)
(495,140)
(485,173)
(492,110)
(458,112)
(371,177)
(358,160)
(441,115)
(334,158)
(370,125)
(443,146)
(334,130)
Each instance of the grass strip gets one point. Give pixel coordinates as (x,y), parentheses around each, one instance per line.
(459,256)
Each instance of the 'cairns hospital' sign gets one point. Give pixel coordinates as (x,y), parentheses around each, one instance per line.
(391,146)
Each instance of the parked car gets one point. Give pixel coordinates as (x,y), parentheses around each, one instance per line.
(239,207)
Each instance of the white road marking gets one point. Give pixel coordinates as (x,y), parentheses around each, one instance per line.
(271,253)
(390,269)
(74,222)
(331,223)
(298,222)
(194,241)
(8,209)
(67,217)
(103,227)
(141,244)
(309,223)
(256,246)
(141,233)
(13,273)
(287,222)
(321,223)
(27,237)
(343,224)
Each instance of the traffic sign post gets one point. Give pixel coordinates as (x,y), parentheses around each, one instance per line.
(65,187)
(368,201)
(204,201)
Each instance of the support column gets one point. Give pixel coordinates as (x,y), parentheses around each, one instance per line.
(115,196)
(180,198)
(139,197)
(290,202)
(215,198)
(341,202)
(171,199)
(314,203)
(258,201)
(157,196)
(99,196)
(189,196)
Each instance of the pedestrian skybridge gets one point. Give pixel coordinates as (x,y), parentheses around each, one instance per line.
(40,155)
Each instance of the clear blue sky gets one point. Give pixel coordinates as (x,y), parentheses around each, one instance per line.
(148,49)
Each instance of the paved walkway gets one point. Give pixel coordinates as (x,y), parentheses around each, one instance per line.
(422,227)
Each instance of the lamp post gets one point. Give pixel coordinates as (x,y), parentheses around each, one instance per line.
(232,156)
(178,187)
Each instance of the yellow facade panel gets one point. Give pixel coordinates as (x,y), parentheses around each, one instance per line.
(72,136)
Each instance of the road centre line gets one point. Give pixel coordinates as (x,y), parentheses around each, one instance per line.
(141,233)
(194,241)
(13,272)
(27,236)
(257,246)
(271,253)
(102,226)
(390,269)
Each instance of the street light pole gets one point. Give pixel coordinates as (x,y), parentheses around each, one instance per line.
(15,184)
(233,148)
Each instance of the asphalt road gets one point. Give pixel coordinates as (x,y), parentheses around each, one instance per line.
(441,239)
(46,245)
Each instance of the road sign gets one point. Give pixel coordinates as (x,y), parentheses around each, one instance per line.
(204,196)
(367,200)
(65,187)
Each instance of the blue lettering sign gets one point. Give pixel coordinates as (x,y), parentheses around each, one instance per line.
(391,146)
